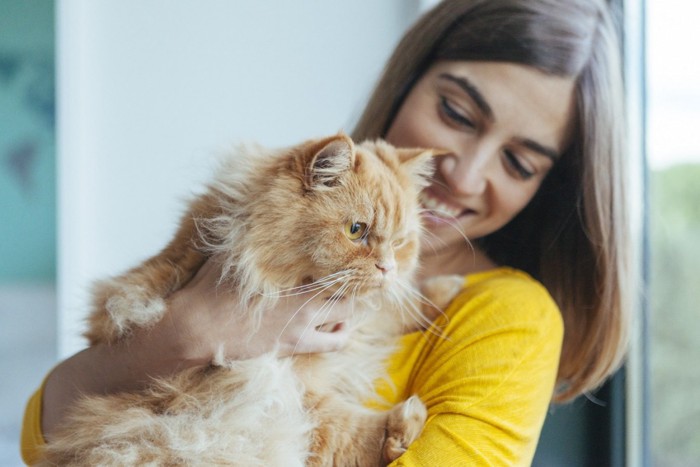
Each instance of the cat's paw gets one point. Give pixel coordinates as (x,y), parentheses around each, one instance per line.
(125,306)
(403,426)
(440,291)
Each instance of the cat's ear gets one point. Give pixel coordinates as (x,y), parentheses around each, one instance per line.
(419,163)
(329,161)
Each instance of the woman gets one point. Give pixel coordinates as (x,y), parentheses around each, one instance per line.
(526,96)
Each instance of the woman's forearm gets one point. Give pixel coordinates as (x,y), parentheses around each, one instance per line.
(201,322)
(107,369)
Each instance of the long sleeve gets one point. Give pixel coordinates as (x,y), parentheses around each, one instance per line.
(32,440)
(487,380)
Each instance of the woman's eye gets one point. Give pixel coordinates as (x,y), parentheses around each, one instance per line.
(514,162)
(355,230)
(451,113)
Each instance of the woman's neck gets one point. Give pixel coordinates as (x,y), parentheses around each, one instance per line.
(458,260)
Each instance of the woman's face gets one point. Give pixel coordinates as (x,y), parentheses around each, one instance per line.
(504,126)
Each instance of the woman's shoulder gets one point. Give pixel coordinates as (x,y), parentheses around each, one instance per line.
(507,286)
(505,297)
(505,277)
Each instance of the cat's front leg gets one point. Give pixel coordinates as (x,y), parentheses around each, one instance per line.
(404,424)
(120,305)
(137,298)
(348,435)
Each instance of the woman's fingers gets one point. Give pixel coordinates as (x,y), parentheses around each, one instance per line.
(318,311)
(313,324)
(303,323)
(316,341)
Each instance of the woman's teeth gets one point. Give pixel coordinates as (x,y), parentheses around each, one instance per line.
(440,208)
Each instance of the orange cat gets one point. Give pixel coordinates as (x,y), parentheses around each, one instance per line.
(325,214)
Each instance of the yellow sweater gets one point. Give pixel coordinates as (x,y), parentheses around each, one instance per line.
(487,378)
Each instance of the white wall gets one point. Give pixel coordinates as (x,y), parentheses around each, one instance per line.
(149,91)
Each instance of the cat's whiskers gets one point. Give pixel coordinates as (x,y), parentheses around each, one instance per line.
(332,300)
(325,309)
(453,225)
(323,289)
(441,184)
(353,295)
(318,284)
(341,295)
(315,285)
(429,241)
(398,300)
(401,299)
(414,296)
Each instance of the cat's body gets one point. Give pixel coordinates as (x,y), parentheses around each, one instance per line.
(274,221)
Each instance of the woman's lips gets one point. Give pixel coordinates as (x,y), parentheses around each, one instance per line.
(442,208)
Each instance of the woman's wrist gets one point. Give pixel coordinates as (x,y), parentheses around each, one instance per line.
(127,365)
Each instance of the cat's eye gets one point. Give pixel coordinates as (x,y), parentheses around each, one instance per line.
(355,230)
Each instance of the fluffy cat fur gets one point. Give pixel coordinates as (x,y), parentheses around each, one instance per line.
(275,220)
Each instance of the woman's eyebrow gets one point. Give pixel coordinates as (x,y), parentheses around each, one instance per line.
(548,152)
(472,91)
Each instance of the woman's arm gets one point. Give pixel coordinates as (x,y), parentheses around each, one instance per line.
(199,325)
(487,381)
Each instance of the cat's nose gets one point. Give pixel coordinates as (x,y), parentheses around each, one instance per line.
(385,266)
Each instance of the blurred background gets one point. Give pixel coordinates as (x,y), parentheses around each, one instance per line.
(673,124)
(149,92)
(28,342)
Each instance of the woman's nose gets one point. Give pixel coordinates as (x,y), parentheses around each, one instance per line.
(466,174)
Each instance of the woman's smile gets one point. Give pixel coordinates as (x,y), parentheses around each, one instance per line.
(442,207)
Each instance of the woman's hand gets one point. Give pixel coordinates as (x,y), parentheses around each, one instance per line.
(201,324)
(206,325)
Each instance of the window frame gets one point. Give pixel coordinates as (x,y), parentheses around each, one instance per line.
(634,390)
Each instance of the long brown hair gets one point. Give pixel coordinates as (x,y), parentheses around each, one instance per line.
(573,235)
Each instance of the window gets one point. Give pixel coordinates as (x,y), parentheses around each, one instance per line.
(673,96)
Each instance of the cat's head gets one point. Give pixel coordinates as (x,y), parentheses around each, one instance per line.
(342,215)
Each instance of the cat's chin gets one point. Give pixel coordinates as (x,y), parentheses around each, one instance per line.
(385,284)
